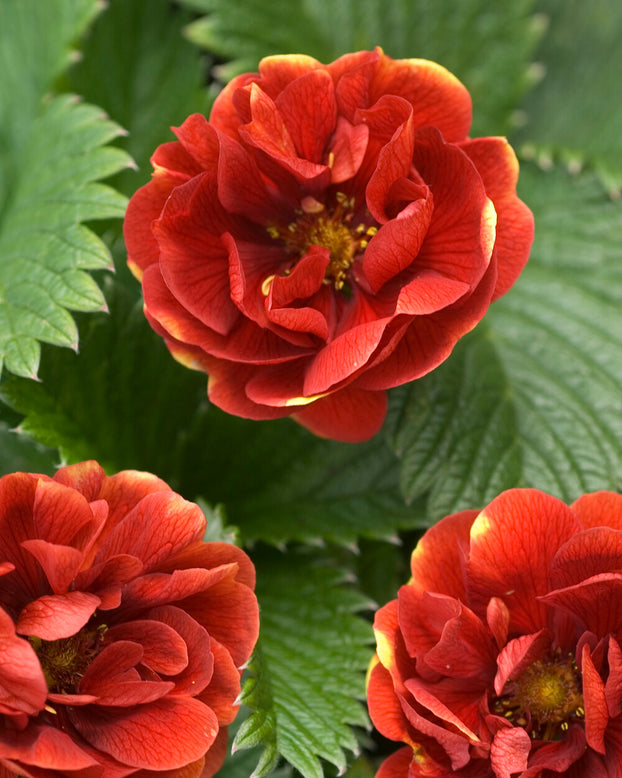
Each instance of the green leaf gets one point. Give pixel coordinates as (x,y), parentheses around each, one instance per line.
(18,452)
(121,400)
(308,489)
(124,401)
(307,673)
(154,77)
(575,112)
(51,154)
(533,396)
(487,45)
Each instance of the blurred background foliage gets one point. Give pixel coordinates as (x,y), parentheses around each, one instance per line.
(531,397)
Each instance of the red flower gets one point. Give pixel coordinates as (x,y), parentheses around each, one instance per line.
(330,233)
(121,631)
(501,657)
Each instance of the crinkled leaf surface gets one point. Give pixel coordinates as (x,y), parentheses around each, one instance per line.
(575,112)
(307,673)
(138,408)
(487,45)
(154,76)
(533,396)
(51,154)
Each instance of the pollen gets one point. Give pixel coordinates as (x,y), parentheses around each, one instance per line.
(64,661)
(544,698)
(329,227)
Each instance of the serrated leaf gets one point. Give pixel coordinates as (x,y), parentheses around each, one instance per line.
(575,113)
(120,400)
(487,45)
(307,673)
(154,77)
(534,396)
(125,402)
(52,155)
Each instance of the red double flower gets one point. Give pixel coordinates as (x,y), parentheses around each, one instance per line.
(121,631)
(502,655)
(328,234)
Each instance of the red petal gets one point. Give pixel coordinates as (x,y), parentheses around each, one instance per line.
(59,563)
(599,509)
(56,616)
(216,755)
(343,356)
(199,668)
(395,159)
(348,150)
(22,685)
(596,550)
(509,752)
(156,528)
(596,603)
(173,158)
(350,415)
(114,682)
(438,562)
(438,710)
(465,649)
(513,542)
(558,757)
(280,70)
(226,388)
(384,707)
(85,477)
(455,744)
(162,735)
(497,165)
(396,245)
(144,207)
(46,748)
(461,236)
(428,340)
(229,612)
(595,703)
(210,555)
(164,650)
(154,589)
(438,98)
(613,686)
(199,141)
(193,260)
(224,687)
(397,765)
(518,654)
(309,112)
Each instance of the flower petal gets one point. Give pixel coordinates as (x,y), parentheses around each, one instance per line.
(57,616)
(159,525)
(509,752)
(438,562)
(512,559)
(162,735)
(23,688)
(497,165)
(350,415)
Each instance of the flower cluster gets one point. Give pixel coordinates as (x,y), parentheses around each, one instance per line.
(330,233)
(501,657)
(121,631)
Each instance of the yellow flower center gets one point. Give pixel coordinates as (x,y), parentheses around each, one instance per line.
(544,698)
(64,661)
(317,225)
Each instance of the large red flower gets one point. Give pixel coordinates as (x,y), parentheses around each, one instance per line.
(330,233)
(121,631)
(502,656)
